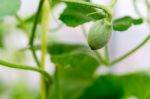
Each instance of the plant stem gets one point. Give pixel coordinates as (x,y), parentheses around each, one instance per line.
(106,9)
(147,3)
(148,9)
(25,67)
(34,31)
(34,55)
(113,3)
(57,84)
(100,57)
(31,47)
(138,11)
(106,57)
(32,37)
(45,21)
(132,51)
(136,8)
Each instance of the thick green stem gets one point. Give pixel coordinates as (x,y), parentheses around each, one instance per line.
(45,21)
(24,67)
(132,51)
(106,9)
(34,32)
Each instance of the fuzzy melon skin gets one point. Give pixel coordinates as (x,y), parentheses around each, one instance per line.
(99,34)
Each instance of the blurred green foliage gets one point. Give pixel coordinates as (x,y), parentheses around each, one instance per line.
(2,31)
(7,7)
(18,90)
(21,91)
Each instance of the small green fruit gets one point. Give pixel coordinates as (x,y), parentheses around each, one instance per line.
(99,34)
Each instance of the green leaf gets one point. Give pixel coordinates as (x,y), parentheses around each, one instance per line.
(77,65)
(119,87)
(9,7)
(136,85)
(78,14)
(137,21)
(72,83)
(103,88)
(124,23)
(62,48)
(74,56)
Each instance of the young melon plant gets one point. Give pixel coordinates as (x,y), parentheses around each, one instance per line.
(75,64)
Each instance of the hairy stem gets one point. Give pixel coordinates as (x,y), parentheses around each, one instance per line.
(45,21)
(24,67)
(132,51)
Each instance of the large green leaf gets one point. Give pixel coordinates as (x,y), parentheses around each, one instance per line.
(77,67)
(119,87)
(62,48)
(8,7)
(103,88)
(72,84)
(77,14)
(136,85)
(74,57)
